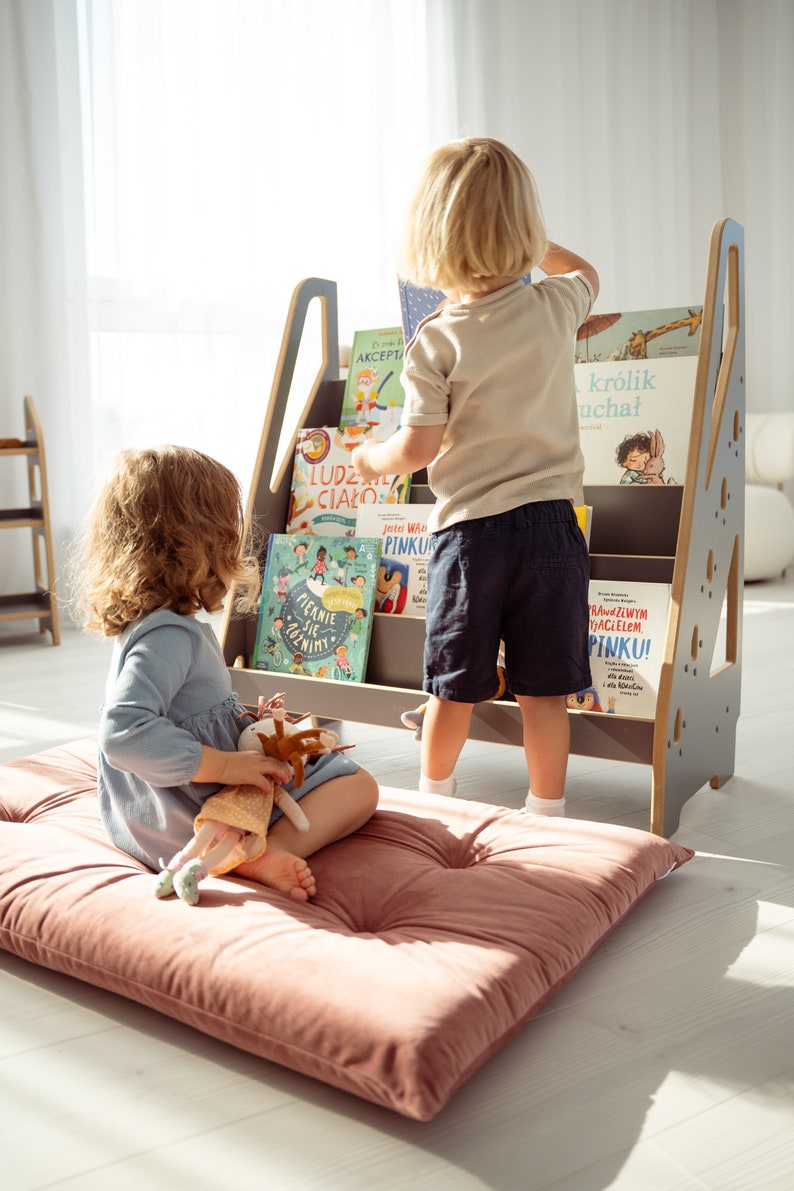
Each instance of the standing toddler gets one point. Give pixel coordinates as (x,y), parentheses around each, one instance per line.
(491,411)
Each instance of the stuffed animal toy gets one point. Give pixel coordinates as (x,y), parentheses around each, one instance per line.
(231,826)
(416,717)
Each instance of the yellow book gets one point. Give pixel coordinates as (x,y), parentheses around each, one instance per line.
(584,515)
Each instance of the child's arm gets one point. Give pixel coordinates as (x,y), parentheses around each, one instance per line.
(407,450)
(561,260)
(241,769)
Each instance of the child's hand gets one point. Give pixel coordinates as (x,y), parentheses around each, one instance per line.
(256,769)
(360,460)
(241,769)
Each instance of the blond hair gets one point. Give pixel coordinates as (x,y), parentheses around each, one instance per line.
(167,530)
(475,218)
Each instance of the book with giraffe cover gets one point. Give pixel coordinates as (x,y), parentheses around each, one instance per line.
(635,385)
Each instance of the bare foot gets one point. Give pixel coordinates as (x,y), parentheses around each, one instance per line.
(282,871)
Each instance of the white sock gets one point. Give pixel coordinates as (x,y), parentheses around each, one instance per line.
(552,808)
(444,785)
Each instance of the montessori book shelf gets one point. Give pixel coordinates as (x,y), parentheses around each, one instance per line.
(688,535)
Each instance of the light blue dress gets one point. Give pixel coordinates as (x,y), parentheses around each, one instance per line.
(169,692)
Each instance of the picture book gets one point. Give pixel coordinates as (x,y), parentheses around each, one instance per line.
(326,493)
(315,613)
(417,302)
(626,643)
(640,335)
(406,546)
(374,396)
(584,517)
(634,419)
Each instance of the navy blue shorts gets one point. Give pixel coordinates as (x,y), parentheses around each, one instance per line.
(523,577)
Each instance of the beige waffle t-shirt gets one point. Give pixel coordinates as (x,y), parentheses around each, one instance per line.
(498,374)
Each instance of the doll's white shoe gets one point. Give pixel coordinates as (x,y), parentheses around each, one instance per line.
(414,719)
(186,882)
(164,885)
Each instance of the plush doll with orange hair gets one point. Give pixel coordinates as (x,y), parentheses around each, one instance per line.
(231,827)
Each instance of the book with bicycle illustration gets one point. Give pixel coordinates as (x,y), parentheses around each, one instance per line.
(315,612)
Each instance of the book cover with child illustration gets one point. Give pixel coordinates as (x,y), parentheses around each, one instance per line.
(374,397)
(406,546)
(315,613)
(635,386)
(635,378)
(326,493)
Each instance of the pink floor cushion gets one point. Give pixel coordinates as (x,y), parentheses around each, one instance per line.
(437,931)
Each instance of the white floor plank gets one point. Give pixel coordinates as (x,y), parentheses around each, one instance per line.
(666,1064)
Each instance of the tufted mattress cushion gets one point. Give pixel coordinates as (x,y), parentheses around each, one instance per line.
(436,932)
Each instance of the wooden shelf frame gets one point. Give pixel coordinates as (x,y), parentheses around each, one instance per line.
(40,603)
(691,536)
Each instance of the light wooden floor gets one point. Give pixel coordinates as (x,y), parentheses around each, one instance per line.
(666,1064)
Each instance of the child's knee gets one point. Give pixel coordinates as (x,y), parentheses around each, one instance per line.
(367,791)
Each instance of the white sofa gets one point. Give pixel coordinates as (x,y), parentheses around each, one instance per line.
(769,513)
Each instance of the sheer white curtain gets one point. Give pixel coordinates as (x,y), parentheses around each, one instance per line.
(645,121)
(170,169)
(231,150)
(42,270)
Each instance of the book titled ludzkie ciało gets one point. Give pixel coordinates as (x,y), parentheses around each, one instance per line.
(326,493)
(374,396)
(315,614)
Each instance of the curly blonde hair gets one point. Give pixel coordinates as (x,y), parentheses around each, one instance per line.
(475,218)
(167,530)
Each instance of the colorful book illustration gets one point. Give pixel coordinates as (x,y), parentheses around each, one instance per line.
(635,418)
(406,546)
(640,335)
(315,614)
(628,631)
(417,302)
(326,493)
(374,396)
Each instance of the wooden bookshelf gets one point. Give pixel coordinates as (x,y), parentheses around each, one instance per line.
(690,536)
(39,602)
